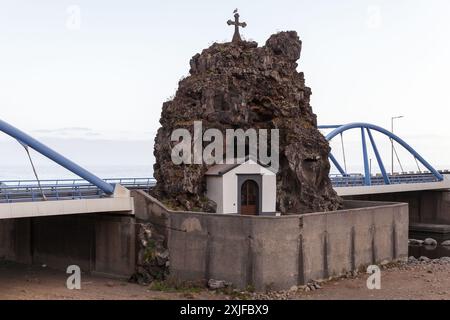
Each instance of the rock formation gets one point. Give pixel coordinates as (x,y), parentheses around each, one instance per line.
(241,85)
(152,254)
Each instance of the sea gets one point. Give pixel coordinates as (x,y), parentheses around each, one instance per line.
(53,172)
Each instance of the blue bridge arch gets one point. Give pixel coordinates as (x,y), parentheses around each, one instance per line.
(31,142)
(367,128)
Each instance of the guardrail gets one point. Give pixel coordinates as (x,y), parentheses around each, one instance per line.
(62,189)
(69,189)
(357,180)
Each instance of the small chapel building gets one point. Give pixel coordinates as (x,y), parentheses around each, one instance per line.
(247,188)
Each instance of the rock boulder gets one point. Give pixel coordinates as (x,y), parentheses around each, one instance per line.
(241,85)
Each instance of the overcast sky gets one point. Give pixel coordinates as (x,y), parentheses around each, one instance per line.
(104,76)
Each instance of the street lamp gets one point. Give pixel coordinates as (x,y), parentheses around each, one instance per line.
(392,142)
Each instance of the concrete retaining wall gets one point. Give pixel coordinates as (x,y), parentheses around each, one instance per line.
(97,243)
(278,252)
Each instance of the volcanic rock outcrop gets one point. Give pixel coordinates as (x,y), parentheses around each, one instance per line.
(241,85)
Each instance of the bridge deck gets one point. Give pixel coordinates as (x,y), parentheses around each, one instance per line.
(70,196)
(66,189)
(119,202)
(405,183)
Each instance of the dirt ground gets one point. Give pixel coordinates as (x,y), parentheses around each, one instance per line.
(429,280)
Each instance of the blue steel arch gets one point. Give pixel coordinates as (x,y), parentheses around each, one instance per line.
(367,127)
(56,157)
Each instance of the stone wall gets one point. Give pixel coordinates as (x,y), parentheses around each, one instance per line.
(278,252)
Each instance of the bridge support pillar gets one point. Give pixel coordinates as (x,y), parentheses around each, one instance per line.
(431,207)
(15,240)
(98,243)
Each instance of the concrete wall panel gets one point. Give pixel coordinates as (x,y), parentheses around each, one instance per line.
(274,253)
(115,241)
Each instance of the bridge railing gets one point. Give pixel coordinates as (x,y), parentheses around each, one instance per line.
(62,189)
(356,180)
(66,189)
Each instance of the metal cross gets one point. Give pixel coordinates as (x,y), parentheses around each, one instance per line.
(237,24)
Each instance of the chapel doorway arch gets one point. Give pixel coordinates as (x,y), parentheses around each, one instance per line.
(250,193)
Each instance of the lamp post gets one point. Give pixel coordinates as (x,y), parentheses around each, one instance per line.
(392,142)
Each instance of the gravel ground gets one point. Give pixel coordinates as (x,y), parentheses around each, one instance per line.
(415,279)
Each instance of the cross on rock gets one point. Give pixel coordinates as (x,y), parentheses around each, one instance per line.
(237,24)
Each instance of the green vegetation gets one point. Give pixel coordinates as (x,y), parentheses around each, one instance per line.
(170,286)
(150,251)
